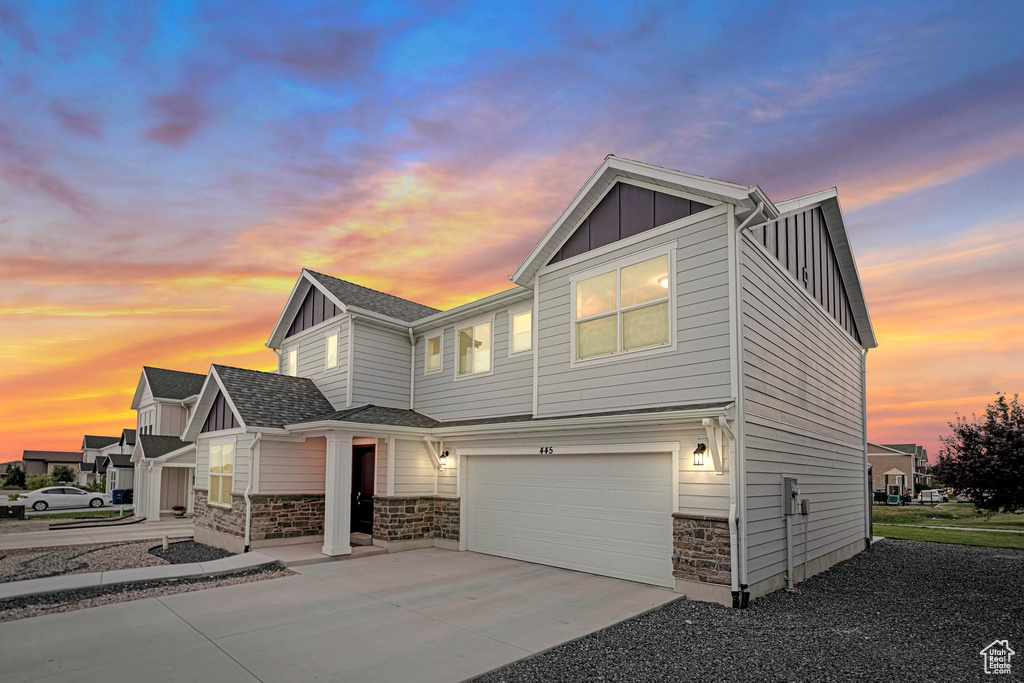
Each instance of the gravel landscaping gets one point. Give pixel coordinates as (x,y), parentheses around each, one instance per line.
(23,608)
(38,563)
(905,610)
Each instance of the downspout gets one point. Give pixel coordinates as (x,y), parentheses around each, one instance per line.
(412,370)
(248,488)
(864,424)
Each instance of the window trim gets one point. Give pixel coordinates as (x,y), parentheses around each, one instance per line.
(473,322)
(617,265)
(512,312)
(221,441)
(335,332)
(427,336)
(295,351)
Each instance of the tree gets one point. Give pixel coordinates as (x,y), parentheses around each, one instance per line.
(15,477)
(984,457)
(39,482)
(63,474)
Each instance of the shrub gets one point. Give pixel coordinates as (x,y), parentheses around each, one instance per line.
(98,485)
(39,482)
(15,477)
(63,474)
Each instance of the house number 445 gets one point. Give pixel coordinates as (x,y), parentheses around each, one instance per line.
(547,450)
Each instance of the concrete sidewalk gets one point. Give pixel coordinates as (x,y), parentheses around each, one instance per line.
(422,615)
(57,584)
(173,528)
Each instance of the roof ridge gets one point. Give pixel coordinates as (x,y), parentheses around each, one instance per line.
(181,372)
(371,289)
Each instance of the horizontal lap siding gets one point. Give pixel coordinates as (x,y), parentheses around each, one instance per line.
(312,359)
(414,468)
(506,391)
(288,467)
(802,400)
(381,367)
(697,370)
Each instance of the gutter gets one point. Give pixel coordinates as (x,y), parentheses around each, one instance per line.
(412,369)
(248,488)
(864,422)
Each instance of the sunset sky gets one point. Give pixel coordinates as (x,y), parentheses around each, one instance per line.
(167,168)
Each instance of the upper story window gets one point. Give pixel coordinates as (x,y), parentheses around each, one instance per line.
(222,470)
(332,350)
(293,362)
(432,362)
(626,308)
(474,348)
(520,330)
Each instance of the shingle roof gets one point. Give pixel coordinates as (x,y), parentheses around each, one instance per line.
(396,417)
(53,456)
(910,448)
(129,436)
(154,446)
(120,460)
(266,399)
(91,441)
(368,299)
(173,383)
(99,466)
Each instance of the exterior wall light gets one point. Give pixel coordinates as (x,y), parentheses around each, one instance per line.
(442,459)
(698,454)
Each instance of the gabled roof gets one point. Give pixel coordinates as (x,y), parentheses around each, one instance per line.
(53,456)
(153,446)
(908,448)
(99,466)
(119,460)
(828,200)
(745,198)
(127,437)
(174,385)
(90,441)
(350,298)
(259,399)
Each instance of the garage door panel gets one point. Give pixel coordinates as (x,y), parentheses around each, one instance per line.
(604,514)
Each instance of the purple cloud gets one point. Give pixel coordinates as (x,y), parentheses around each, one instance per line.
(77,121)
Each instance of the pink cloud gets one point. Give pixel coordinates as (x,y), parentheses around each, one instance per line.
(77,121)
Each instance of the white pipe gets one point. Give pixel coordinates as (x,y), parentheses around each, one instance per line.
(412,369)
(248,488)
(789,552)
(864,425)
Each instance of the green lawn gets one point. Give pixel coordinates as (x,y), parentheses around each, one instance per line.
(989,539)
(946,514)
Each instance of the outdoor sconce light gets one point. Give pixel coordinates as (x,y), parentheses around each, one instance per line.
(442,459)
(664,282)
(698,454)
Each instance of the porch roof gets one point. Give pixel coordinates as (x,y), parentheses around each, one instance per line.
(154,446)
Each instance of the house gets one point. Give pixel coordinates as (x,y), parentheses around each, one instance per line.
(672,350)
(5,467)
(94,447)
(899,469)
(44,462)
(119,469)
(164,463)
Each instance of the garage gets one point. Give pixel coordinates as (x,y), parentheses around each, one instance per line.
(601,513)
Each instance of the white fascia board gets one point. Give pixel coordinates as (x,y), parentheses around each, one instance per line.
(492,302)
(379,318)
(187,434)
(293,303)
(362,428)
(175,453)
(664,417)
(143,381)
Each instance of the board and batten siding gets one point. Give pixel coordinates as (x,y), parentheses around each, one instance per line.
(292,467)
(312,358)
(174,487)
(243,448)
(507,390)
(696,371)
(170,419)
(380,369)
(802,405)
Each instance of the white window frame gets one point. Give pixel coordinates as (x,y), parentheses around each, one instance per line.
(474,322)
(336,332)
(221,441)
(426,353)
(293,355)
(617,266)
(512,312)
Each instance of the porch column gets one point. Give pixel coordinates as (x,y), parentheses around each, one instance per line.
(338,490)
(153,493)
(139,494)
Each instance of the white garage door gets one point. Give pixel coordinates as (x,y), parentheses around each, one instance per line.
(603,514)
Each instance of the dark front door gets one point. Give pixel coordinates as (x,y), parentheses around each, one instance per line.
(362,488)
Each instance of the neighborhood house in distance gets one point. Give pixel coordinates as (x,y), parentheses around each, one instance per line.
(671,392)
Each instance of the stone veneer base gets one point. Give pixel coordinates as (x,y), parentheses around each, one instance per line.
(274,520)
(700,550)
(409,522)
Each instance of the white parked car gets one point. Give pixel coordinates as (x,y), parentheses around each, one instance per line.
(932,496)
(63,497)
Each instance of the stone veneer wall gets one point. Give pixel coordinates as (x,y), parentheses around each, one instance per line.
(413,518)
(700,549)
(273,517)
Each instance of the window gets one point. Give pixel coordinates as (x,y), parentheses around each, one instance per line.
(622,310)
(332,351)
(474,349)
(293,362)
(222,469)
(521,331)
(433,351)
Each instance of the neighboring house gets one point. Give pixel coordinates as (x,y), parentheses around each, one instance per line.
(92,448)
(671,349)
(164,463)
(6,466)
(899,469)
(120,471)
(44,462)
(127,441)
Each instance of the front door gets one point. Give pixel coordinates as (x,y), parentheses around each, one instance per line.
(362,488)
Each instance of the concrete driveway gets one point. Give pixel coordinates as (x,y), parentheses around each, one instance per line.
(422,615)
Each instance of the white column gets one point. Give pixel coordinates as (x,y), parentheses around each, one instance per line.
(153,493)
(337,508)
(139,494)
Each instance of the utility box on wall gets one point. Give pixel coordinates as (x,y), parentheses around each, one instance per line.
(790,492)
